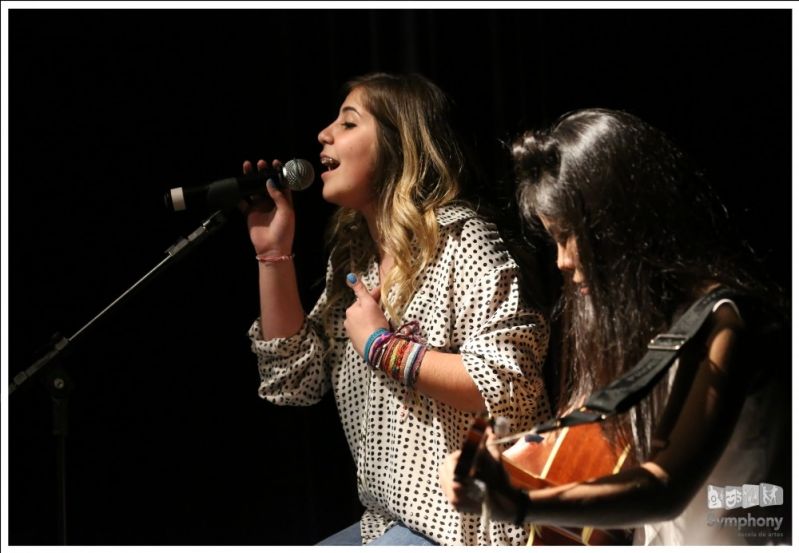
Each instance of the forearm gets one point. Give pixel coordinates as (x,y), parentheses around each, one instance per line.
(630,498)
(443,376)
(282,314)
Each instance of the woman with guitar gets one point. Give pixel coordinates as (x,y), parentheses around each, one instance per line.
(640,238)
(420,325)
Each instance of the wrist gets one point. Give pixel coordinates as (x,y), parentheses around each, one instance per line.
(398,354)
(370,341)
(267,260)
(273,252)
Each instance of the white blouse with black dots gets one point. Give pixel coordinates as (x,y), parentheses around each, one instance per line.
(468,303)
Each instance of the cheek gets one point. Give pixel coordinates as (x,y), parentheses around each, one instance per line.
(363,176)
(363,172)
(367,166)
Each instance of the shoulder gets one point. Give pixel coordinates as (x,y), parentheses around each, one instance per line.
(717,348)
(474,251)
(754,310)
(725,315)
(454,215)
(740,311)
(470,231)
(758,331)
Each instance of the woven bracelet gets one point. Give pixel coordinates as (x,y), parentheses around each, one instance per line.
(269,260)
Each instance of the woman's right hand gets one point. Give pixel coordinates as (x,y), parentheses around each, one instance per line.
(271,227)
(494,491)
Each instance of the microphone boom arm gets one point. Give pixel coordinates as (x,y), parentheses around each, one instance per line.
(180,248)
(58,381)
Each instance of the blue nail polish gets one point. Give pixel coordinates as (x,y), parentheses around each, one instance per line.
(270,183)
(351,278)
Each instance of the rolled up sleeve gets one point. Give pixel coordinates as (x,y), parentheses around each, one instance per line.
(292,369)
(505,347)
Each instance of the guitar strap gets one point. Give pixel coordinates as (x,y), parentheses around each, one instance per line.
(634,385)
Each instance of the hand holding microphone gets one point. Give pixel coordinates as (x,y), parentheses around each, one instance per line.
(270,218)
(296,174)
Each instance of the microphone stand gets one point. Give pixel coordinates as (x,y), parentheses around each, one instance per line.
(57,379)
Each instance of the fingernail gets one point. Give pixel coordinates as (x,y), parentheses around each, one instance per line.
(351,278)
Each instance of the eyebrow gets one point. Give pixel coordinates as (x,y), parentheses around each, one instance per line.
(349,108)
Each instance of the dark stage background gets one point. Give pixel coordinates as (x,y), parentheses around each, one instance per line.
(169,442)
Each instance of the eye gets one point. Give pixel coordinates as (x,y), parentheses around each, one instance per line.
(348,125)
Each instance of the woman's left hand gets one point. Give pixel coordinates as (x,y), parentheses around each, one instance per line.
(365,315)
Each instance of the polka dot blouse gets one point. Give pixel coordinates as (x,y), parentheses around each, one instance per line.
(468,302)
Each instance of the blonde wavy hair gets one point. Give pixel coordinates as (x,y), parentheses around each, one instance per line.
(420,167)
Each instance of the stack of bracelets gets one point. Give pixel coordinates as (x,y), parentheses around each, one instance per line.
(398,354)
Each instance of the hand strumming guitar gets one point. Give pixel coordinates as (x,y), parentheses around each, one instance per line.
(482,483)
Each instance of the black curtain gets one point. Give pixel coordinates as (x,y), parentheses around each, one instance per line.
(169,442)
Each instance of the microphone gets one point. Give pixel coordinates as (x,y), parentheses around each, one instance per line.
(296,174)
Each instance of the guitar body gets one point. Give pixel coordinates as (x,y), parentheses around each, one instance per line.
(569,455)
(573,454)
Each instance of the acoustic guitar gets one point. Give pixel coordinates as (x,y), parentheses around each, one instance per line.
(572,454)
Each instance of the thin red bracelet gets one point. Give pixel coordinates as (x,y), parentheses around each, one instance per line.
(273,259)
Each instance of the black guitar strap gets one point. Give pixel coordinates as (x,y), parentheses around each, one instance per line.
(634,385)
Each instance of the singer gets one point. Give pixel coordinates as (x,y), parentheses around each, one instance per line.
(420,325)
(718,415)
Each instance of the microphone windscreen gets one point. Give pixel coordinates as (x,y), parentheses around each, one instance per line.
(298,174)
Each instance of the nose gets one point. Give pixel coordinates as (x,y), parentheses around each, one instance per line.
(565,260)
(325,136)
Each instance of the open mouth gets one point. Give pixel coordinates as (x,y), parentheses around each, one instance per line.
(329,163)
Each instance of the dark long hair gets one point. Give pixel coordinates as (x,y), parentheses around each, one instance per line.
(650,234)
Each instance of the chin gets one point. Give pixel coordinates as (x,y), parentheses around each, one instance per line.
(329,195)
(337,200)
(326,196)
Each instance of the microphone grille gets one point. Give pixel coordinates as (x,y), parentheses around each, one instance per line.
(298,174)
